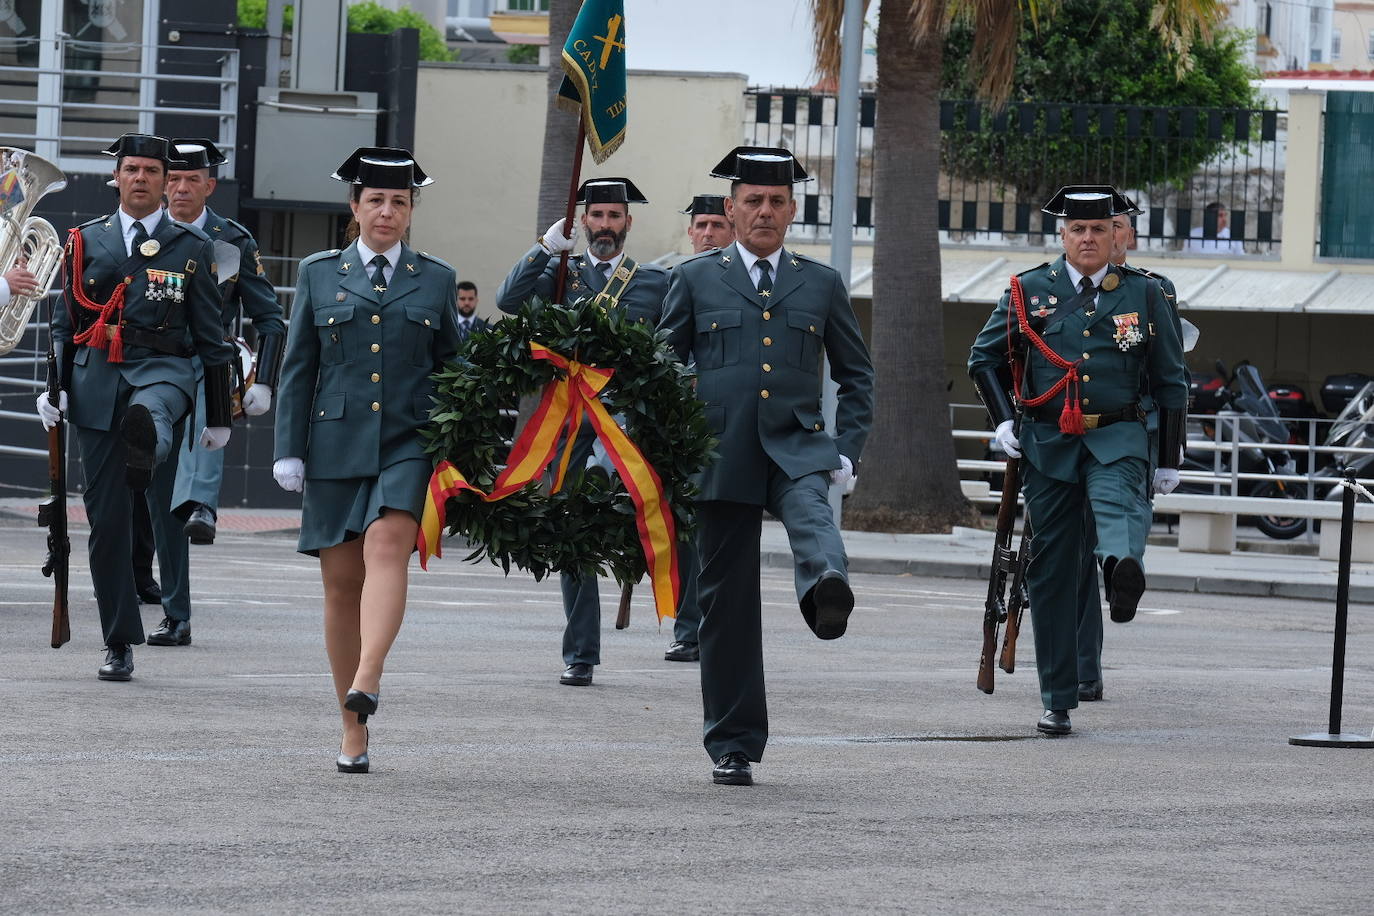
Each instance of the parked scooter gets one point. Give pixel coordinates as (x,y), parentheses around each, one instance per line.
(1353,428)
(1248,416)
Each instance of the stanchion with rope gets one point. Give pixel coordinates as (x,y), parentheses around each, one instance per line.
(1334,737)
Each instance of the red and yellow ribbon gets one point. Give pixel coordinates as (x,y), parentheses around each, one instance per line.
(562,406)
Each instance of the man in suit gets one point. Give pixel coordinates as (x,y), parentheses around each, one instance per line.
(756,319)
(469,322)
(200,472)
(607,272)
(707,227)
(140,300)
(1090,337)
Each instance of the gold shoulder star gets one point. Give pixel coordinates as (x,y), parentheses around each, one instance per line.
(765,293)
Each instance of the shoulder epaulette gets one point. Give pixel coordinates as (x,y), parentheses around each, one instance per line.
(1035,268)
(700,256)
(237,227)
(808,259)
(437,260)
(192,230)
(1138,271)
(99,219)
(320,256)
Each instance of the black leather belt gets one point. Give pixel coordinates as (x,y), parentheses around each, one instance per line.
(1049,413)
(171,342)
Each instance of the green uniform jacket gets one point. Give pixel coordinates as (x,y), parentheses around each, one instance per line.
(759,368)
(355,381)
(252,290)
(184,307)
(1114,372)
(536,272)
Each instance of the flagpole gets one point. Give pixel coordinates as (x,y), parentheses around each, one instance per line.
(572,209)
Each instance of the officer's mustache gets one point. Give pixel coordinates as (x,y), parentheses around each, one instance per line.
(606,241)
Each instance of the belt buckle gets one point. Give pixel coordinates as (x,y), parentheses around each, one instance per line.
(1090,420)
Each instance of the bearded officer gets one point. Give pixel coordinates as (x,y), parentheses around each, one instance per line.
(140,300)
(756,319)
(605,271)
(1092,336)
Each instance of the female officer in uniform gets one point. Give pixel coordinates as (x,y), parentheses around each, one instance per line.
(369,325)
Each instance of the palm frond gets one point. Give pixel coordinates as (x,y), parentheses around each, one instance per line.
(1181,23)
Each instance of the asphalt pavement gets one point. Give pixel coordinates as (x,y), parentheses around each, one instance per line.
(890,785)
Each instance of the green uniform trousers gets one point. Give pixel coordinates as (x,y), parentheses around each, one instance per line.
(109,509)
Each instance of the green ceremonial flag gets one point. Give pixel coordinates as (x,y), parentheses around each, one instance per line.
(594,58)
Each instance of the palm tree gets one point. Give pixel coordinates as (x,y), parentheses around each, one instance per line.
(910,480)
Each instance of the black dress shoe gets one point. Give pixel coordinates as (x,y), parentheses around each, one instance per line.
(1127,585)
(171,633)
(1089,690)
(827,606)
(578,675)
(1055,722)
(680,651)
(200,527)
(364,704)
(119,663)
(149,592)
(140,446)
(359,764)
(733,769)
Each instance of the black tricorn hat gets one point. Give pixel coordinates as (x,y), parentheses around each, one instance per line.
(765,165)
(191,153)
(382,167)
(704,204)
(1089,201)
(148,146)
(609,191)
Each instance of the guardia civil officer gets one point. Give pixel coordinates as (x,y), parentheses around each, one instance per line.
(199,473)
(1096,335)
(707,227)
(604,271)
(140,301)
(369,325)
(756,318)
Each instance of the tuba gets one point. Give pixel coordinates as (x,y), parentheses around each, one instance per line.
(24,180)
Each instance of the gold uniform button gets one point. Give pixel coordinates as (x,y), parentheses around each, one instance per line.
(376,347)
(378,378)
(714,325)
(376,406)
(767,367)
(1086,356)
(763,393)
(1086,401)
(376,319)
(811,328)
(817,427)
(321,413)
(768,341)
(767,315)
(331,321)
(426,322)
(1087,333)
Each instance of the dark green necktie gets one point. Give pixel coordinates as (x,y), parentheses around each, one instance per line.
(379,273)
(765,278)
(140,235)
(604,268)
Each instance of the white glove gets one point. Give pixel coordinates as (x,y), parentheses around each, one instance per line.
(290,474)
(48,413)
(1006,439)
(553,241)
(214,438)
(257,400)
(844,473)
(1166,481)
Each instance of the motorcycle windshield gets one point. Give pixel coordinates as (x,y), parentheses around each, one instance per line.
(1253,398)
(1354,418)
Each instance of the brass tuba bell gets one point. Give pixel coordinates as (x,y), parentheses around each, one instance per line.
(24,179)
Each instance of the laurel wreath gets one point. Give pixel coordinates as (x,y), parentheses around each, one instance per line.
(588,527)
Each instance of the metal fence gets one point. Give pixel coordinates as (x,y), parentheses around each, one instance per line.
(999,167)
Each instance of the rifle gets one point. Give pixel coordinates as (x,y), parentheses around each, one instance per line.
(1004,560)
(52,514)
(1017,603)
(622,616)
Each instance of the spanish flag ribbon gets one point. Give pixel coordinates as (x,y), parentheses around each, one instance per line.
(562,407)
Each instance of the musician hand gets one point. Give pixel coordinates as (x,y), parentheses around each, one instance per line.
(20,282)
(553,242)
(214,438)
(257,400)
(50,414)
(844,473)
(289,473)
(1006,440)
(1166,481)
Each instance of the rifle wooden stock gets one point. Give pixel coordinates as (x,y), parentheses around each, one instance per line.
(52,514)
(622,616)
(1003,562)
(1016,604)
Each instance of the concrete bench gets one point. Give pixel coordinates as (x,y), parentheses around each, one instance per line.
(1207,523)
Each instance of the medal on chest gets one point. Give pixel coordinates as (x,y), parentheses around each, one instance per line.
(165,286)
(1127,332)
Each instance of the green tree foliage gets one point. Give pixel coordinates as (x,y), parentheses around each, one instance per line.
(1093,52)
(522,54)
(368,16)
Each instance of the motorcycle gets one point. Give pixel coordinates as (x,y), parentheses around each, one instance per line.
(1248,418)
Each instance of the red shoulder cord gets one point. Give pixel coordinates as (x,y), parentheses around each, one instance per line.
(1071,418)
(97,335)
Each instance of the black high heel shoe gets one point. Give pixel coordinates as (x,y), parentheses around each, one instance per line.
(357,764)
(364,704)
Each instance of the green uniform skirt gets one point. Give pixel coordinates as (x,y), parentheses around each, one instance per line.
(336,511)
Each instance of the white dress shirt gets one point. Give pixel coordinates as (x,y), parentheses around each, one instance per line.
(751,263)
(1076,276)
(127,224)
(392,255)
